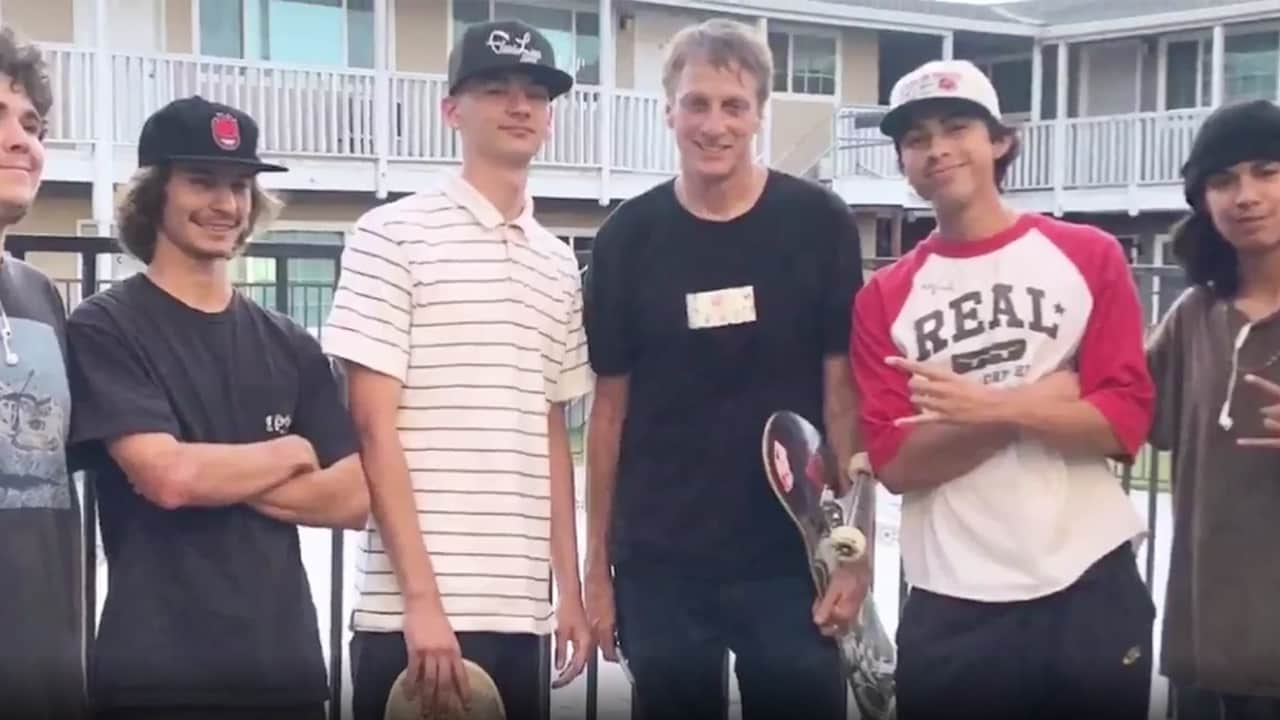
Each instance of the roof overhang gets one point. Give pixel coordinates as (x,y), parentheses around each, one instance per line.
(1161,22)
(841,14)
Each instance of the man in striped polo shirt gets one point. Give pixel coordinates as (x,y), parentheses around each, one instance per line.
(459,317)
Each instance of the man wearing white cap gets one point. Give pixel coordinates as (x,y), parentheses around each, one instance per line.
(1000,365)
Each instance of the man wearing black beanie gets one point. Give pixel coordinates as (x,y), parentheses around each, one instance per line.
(1215,359)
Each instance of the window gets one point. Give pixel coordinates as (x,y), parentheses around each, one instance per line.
(1012,80)
(306,32)
(1251,69)
(574,34)
(803,64)
(1252,66)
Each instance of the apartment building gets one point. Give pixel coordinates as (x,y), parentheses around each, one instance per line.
(348,94)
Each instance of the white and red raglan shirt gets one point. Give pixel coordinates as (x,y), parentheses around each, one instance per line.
(1005,311)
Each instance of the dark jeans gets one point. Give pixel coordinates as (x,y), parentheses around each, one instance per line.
(1083,652)
(512,660)
(304,712)
(1191,703)
(675,630)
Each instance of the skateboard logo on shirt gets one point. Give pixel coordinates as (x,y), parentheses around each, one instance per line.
(975,312)
(279,424)
(226,131)
(721,308)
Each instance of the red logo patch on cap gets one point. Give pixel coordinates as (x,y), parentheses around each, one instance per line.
(947,83)
(226,131)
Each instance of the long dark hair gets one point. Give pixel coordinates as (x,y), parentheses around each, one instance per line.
(1208,259)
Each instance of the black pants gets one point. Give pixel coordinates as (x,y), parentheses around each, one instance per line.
(513,661)
(1192,703)
(304,712)
(674,631)
(1084,652)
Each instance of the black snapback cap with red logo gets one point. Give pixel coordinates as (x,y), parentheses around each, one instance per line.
(196,130)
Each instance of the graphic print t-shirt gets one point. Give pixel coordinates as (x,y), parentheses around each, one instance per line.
(40,549)
(1006,311)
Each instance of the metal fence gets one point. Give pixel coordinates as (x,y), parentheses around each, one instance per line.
(308,304)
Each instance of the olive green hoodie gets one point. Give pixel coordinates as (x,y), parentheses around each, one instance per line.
(1222,607)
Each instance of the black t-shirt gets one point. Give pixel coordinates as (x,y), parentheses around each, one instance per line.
(41,642)
(669,301)
(204,605)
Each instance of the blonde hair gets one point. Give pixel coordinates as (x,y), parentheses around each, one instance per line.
(142,206)
(723,44)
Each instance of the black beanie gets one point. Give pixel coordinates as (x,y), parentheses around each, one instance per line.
(1231,134)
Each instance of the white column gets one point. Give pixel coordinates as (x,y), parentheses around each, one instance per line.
(1218,81)
(1060,126)
(381,97)
(608,82)
(1037,81)
(102,202)
(948,46)
(764,146)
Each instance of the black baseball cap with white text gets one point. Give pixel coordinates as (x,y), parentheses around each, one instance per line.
(490,48)
(194,129)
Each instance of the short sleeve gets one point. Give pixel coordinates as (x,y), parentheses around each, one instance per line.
(844,276)
(370,319)
(572,369)
(113,393)
(1112,366)
(1164,361)
(882,390)
(321,415)
(609,343)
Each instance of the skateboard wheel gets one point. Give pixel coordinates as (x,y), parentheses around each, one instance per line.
(849,543)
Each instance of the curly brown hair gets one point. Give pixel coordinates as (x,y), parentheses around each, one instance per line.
(26,70)
(139,212)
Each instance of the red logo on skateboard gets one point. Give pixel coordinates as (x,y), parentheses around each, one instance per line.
(226,131)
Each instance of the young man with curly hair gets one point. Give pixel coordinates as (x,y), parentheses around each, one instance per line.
(41,616)
(215,427)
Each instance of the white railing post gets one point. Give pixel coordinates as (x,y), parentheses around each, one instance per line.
(1037,81)
(1135,161)
(103,127)
(381,98)
(1218,79)
(608,81)
(1060,128)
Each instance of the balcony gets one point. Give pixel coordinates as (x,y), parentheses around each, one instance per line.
(347,129)
(1118,163)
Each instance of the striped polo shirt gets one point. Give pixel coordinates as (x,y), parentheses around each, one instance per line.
(481,320)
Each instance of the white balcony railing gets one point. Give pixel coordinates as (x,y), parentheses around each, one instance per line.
(327,112)
(1139,149)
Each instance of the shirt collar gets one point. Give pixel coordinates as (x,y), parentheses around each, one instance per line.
(468,197)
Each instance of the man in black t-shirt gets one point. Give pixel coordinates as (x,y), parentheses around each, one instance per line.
(711,302)
(218,427)
(41,642)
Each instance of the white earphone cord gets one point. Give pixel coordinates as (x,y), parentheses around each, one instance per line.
(6,337)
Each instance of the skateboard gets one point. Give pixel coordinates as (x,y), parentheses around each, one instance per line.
(486,703)
(801,469)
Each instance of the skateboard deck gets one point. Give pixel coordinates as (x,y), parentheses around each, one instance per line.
(486,703)
(801,469)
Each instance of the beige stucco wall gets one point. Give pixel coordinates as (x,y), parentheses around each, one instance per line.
(859,66)
(41,20)
(801,133)
(57,208)
(422,35)
(177,31)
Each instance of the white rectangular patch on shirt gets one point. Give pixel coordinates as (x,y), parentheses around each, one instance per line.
(720,308)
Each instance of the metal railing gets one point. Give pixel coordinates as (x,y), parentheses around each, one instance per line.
(1147,480)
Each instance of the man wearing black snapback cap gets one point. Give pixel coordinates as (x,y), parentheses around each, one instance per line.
(459,318)
(215,427)
(1215,359)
